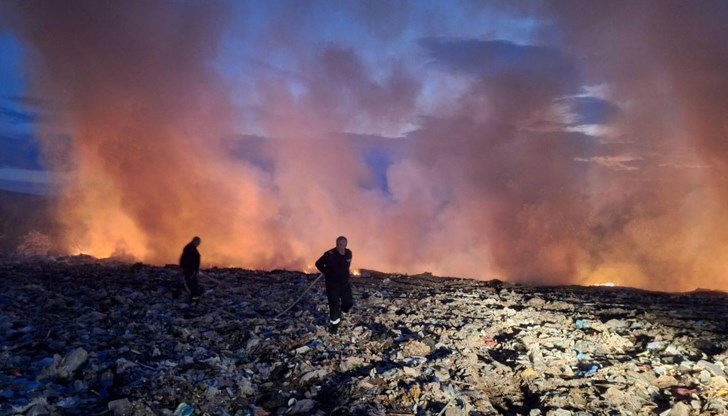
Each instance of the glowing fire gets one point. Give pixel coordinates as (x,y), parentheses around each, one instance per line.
(76,250)
(310,269)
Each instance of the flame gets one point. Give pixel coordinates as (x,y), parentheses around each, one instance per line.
(310,269)
(77,250)
(612,274)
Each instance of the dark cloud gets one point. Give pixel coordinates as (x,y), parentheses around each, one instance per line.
(26,101)
(20,151)
(499,58)
(33,188)
(15,116)
(592,110)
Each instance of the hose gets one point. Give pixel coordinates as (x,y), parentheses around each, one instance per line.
(300,297)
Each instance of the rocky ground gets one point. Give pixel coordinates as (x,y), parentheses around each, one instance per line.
(88,337)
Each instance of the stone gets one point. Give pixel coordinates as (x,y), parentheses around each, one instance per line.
(679,409)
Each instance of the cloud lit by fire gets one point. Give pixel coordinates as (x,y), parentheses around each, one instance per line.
(537,142)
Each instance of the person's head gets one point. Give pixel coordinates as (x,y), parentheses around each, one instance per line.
(196,241)
(341,244)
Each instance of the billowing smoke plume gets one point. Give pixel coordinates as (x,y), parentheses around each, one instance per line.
(659,219)
(147,115)
(596,151)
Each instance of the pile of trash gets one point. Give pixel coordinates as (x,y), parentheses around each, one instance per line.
(83,336)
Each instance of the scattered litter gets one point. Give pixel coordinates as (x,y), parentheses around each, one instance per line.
(119,339)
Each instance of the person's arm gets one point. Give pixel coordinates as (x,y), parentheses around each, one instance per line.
(321,263)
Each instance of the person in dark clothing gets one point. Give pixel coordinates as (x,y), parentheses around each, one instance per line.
(190,263)
(334,264)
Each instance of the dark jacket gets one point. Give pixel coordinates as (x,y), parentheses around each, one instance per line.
(190,260)
(335,266)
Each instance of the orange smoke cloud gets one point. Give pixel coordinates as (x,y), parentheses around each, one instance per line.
(147,116)
(498,181)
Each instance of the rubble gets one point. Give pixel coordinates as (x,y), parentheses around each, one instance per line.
(85,336)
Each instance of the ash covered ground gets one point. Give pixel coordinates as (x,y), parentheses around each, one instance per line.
(84,336)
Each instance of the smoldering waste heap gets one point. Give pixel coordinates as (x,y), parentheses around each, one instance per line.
(83,336)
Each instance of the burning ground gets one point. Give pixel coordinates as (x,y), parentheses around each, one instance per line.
(83,336)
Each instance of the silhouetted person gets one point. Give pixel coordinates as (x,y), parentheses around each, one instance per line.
(334,264)
(190,263)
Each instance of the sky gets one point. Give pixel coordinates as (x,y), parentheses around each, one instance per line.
(561,142)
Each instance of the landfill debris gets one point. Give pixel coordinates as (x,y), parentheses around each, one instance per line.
(184,409)
(85,336)
(119,407)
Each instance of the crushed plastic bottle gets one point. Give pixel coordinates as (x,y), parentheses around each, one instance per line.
(184,410)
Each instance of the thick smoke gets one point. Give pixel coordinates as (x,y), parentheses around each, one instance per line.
(594,152)
(146,113)
(661,224)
